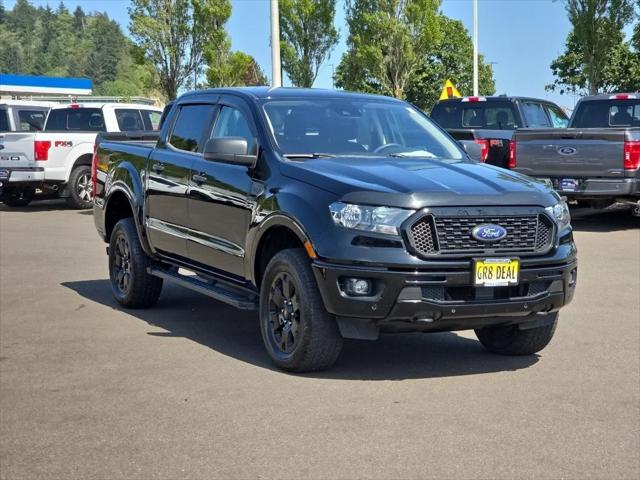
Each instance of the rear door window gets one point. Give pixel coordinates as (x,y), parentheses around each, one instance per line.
(535,115)
(75,119)
(151,119)
(4,120)
(129,119)
(191,126)
(558,117)
(31,120)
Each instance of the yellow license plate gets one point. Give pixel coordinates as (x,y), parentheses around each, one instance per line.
(496,272)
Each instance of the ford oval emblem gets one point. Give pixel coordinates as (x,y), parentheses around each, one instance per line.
(489,232)
(567,151)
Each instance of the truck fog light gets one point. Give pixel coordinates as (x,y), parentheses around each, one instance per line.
(358,287)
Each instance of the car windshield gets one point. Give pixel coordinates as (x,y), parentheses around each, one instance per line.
(318,127)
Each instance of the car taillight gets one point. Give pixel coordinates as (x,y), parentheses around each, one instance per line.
(484,149)
(512,154)
(631,155)
(41,150)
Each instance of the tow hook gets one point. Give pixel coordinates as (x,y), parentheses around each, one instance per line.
(635,210)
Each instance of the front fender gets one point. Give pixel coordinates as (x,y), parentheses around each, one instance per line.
(288,207)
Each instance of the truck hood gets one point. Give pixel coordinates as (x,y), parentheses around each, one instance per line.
(414,183)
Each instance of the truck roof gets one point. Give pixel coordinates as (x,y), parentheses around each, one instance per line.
(103,105)
(26,103)
(611,96)
(286,92)
(493,98)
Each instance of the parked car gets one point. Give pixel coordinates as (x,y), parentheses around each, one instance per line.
(59,157)
(596,161)
(333,215)
(490,122)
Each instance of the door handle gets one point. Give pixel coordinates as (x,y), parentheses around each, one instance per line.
(157,167)
(199,178)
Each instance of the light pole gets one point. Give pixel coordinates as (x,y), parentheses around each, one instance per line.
(475,48)
(276,75)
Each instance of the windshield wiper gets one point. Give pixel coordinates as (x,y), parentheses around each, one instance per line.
(308,155)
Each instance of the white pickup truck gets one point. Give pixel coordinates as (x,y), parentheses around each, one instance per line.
(59,157)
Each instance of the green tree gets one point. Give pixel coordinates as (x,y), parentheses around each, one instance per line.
(597,32)
(620,72)
(175,33)
(450,59)
(104,57)
(236,69)
(386,44)
(308,36)
(79,20)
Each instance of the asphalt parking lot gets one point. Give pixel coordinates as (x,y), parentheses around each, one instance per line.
(185,390)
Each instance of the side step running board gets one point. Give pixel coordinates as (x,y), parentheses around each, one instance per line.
(237,297)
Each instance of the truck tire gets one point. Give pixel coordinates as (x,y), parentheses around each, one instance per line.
(510,340)
(132,286)
(18,196)
(80,188)
(298,333)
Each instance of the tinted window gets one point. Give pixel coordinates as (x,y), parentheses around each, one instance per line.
(356,126)
(190,127)
(534,115)
(493,115)
(607,113)
(151,119)
(75,119)
(31,120)
(129,119)
(622,115)
(558,117)
(4,120)
(231,123)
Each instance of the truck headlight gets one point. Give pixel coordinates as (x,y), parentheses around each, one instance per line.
(560,213)
(385,220)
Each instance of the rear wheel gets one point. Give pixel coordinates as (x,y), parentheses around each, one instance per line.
(299,334)
(80,188)
(510,340)
(132,286)
(18,196)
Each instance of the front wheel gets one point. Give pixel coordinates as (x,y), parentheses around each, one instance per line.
(132,285)
(299,334)
(18,196)
(80,188)
(510,340)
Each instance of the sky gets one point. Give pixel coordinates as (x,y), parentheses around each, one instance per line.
(522,37)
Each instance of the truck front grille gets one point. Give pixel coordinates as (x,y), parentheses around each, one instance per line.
(433,235)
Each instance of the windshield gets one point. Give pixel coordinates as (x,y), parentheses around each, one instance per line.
(356,127)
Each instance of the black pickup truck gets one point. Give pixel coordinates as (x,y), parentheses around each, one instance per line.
(335,215)
(489,122)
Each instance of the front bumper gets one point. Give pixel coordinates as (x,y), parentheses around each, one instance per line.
(440,296)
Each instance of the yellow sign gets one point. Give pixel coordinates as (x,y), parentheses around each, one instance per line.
(449,91)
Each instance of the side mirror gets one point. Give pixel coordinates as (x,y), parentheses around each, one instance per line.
(230,150)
